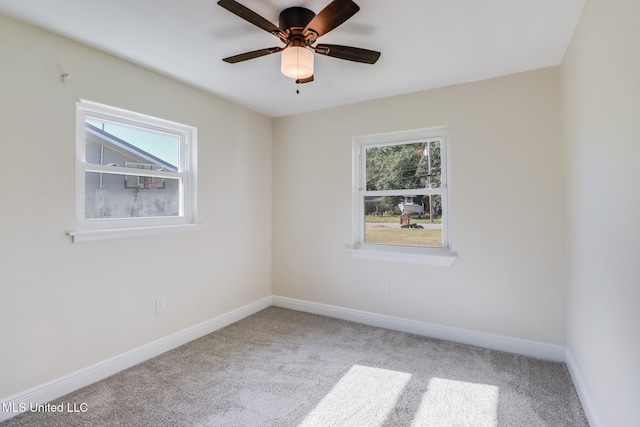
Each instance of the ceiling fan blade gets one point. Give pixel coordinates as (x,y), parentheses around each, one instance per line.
(307,80)
(330,17)
(349,53)
(251,55)
(250,16)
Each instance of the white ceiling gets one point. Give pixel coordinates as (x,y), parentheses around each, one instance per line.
(424,43)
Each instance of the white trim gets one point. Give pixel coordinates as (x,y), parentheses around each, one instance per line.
(404,136)
(359,192)
(79,236)
(445,258)
(186,175)
(84,377)
(581,389)
(495,342)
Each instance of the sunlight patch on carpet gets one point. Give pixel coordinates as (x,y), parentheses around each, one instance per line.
(459,403)
(363,396)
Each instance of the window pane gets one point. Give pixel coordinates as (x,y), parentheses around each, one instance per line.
(385,224)
(115,144)
(403,166)
(130,196)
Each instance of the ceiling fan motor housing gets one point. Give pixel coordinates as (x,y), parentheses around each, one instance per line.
(295,17)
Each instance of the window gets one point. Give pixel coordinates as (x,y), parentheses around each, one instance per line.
(135,174)
(401,198)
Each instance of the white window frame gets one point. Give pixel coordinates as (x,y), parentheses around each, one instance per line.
(113,228)
(400,253)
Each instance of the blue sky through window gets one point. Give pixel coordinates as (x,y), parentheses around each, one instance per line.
(165,147)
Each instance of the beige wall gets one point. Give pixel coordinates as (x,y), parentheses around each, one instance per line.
(507,208)
(65,306)
(522,236)
(601,106)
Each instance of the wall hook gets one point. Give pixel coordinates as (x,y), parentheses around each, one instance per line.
(64,77)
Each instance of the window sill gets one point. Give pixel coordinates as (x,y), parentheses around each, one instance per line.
(80,236)
(405,255)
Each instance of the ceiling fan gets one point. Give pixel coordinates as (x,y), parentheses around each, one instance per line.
(299,28)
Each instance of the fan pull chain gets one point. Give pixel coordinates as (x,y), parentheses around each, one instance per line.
(297,87)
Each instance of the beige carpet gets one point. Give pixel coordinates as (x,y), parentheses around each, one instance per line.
(286,368)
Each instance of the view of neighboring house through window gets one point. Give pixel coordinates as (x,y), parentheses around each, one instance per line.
(401,193)
(133,170)
(110,195)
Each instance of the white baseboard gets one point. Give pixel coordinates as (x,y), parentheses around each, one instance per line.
(495,342)
(83,377)
(581,389)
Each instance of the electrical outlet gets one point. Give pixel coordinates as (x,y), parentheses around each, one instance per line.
(161,305)
(384,287)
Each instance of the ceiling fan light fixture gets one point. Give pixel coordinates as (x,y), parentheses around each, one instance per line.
(297,62)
